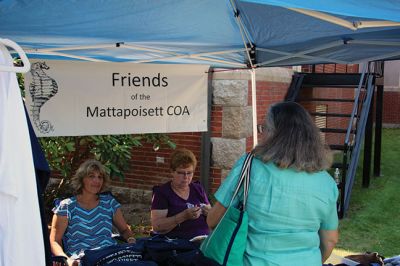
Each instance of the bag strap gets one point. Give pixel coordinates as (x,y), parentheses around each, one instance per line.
(247,181)
(244,179)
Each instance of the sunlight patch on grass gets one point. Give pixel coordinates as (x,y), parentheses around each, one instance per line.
(372,221)
(343,252)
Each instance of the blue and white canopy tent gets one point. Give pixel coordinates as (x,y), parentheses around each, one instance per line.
(221,33)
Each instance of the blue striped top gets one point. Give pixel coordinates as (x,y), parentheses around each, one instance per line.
(87,228)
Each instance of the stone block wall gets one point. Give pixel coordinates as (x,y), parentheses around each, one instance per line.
(232,98)
(135,204)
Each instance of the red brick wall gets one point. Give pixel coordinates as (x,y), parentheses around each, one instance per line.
(391,107)
(332,107)
(216,121)
(391,112)
(267,94)
(215,179)
(331,68)
(145,172)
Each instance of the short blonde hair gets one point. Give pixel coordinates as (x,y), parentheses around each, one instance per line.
(87,167)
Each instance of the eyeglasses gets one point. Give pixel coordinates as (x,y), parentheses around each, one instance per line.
(182,173)
(260,128)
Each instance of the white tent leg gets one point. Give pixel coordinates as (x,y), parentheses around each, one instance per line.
(254,105)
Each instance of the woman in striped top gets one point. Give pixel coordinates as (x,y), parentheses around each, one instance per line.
(85,220)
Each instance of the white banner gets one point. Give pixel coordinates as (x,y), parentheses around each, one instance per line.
(70,98)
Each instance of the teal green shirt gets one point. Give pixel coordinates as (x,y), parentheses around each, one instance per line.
(286,209)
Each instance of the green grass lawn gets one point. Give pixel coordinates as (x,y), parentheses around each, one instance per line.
(372,222)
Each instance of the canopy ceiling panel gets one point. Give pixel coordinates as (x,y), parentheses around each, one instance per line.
(222,33)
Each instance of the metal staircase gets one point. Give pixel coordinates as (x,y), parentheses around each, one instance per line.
(340,105)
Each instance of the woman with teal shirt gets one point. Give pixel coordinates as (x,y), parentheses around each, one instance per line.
(292,199)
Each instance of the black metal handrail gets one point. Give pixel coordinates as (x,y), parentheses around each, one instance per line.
(355,107)
(353,142)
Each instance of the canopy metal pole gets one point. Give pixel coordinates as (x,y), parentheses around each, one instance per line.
(254,105)
(302,53)
(353,25)
(366,42)
(378,129)
(292,55)
(85,58)
(205,151)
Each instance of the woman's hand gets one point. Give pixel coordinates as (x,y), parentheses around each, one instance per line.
(205,209)
(215,215)
(328,240)
(123,228)
(58,226)
(192,213)
(72,262)
(131,239)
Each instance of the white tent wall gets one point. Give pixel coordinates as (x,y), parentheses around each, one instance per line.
(18,192)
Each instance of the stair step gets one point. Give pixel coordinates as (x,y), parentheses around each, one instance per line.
(337,147)
(325,100)
(330,114)
(331,79)
(335,130)
(331,86)
(339,165)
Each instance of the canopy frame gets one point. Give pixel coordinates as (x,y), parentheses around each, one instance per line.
(352,25)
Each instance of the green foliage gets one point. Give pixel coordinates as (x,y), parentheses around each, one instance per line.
(64,154)
(59,152)
(114,151)
(20,77)
(372,222)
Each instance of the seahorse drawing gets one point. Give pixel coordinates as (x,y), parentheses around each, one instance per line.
(42,88)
